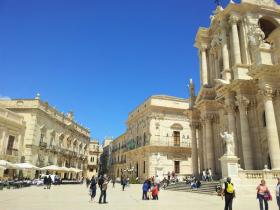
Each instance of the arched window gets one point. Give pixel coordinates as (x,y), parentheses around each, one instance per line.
(267,25)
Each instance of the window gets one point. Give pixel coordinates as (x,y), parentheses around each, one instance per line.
(144,167)
(176,135)
(177,167)
(11,143)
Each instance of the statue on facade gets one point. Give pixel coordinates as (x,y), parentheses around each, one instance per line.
(158,158)
(255,35)
(229,141)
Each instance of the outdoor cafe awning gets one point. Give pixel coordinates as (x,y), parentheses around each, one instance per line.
(7,165)
(75,170)
(27,166)
(52,168)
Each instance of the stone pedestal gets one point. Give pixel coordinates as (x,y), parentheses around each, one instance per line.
(229,165)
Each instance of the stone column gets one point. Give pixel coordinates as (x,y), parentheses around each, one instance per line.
(225,54)
(209,142)
(243,103)
(277,110)
(230,106)
(194,150)
(200,146)
(205,162)
(235,39)
(243,43)
(204,69)
(271,128)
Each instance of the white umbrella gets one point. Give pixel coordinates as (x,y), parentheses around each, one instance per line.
(52,168)
(76,170)
(65,169)
(27,166)
(8,165)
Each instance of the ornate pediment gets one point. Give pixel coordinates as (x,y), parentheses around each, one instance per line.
(177,126)
(270,3)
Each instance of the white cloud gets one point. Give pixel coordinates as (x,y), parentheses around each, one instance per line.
(4,98)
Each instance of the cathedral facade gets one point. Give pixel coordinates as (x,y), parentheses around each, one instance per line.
(240,91)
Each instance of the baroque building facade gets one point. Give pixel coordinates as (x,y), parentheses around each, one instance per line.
(12,129)
(50,137)
(240,91)
(94,152)
(157,140)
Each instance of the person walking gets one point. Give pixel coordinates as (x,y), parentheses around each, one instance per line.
(100,182)
(113,181)
(229,193)
(49,182)
(45,182)
(263,195)
(145,189)
(155,192)
(123,182)
(103,191)
(92,188)
(278,192)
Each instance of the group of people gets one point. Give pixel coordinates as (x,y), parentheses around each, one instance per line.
(263,194)
(102,183)
(207,175)
(47,182)
(150,188)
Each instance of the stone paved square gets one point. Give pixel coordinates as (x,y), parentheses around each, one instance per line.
(75,197)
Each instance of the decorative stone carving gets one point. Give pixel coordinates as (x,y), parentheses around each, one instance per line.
(255,35)
(229,141)
(267,92)
(233,19)
(242,101)
(217,40)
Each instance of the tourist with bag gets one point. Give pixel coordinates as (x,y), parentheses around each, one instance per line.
(92,188)
(229,193)
(263,195)
(103,190)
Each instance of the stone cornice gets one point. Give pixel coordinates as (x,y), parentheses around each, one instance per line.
(262,71)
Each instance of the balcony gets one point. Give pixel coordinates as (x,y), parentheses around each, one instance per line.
(12,152)
(11,155)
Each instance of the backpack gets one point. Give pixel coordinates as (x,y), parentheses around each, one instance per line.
(100,181)
(229,188)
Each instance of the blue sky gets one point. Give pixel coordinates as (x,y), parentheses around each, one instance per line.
(99,58)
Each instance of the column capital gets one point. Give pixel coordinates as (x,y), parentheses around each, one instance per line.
(230,108)
(242,101)
(233,19)
(209,117)
(277,93)
(194,125)
(267,92)
(203,47)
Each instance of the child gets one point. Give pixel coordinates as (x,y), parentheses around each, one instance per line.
(155,192)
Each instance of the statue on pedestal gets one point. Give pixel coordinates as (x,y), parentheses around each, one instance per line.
(229,140)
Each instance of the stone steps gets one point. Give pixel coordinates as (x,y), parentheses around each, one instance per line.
(206,188)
